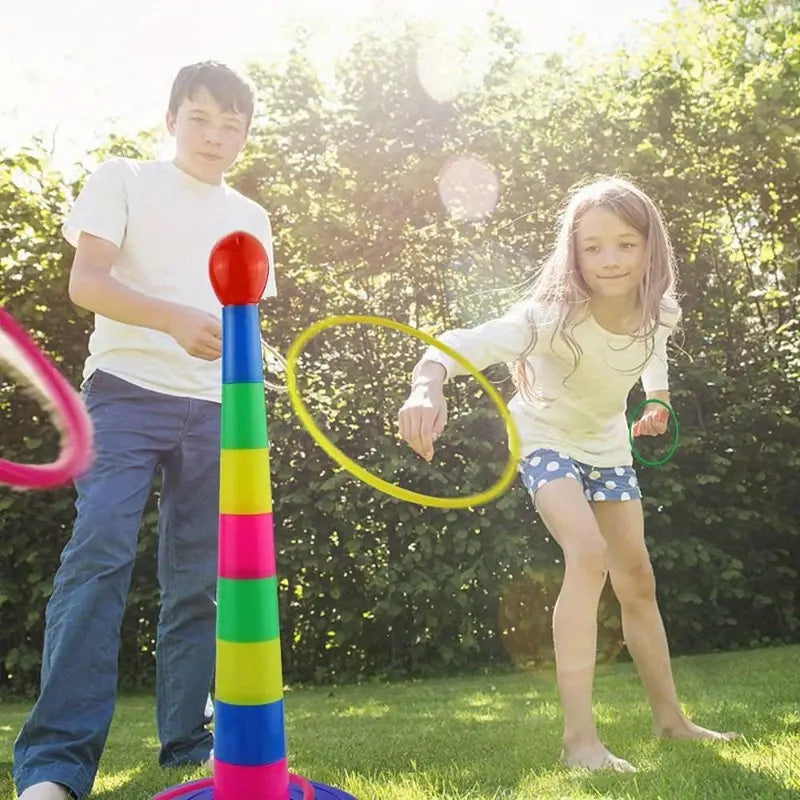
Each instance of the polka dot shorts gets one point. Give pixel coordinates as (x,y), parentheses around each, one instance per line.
(599,483)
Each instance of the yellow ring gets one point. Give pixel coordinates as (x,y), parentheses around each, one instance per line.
(506,479)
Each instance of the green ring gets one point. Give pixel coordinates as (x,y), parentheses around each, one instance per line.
(674,444)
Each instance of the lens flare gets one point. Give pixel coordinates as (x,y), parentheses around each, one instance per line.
(452,63)
(469,188)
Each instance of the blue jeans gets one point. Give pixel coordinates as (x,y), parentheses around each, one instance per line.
(136,432)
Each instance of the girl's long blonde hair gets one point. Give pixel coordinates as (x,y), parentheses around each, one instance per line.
(559,290)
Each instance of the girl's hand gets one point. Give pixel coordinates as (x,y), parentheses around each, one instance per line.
(423,417)
(653,422)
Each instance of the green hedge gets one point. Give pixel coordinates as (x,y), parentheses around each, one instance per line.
(705,119)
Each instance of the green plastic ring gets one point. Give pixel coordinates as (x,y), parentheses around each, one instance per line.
(674,447)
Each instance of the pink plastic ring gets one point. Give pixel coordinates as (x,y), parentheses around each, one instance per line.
(68,414)
(299,780)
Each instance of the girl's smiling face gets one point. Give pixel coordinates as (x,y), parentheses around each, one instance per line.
(610,254)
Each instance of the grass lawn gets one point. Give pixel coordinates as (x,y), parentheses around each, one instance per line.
(496,737)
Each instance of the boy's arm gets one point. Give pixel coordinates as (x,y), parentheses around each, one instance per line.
(91,286)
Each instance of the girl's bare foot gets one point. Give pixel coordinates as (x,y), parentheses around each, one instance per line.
(686,729)
(593,756)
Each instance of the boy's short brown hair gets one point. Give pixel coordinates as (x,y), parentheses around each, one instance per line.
(228,88)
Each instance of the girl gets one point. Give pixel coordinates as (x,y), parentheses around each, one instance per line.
(596,319)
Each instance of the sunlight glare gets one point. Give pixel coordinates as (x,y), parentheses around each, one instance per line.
(447,68)
(469,188)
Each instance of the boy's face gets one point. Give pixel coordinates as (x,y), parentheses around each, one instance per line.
(208,139)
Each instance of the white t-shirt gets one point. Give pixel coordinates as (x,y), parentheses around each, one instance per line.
(584,417)
(165,223)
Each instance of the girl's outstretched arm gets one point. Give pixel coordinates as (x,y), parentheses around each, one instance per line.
(424,414)
(498,341)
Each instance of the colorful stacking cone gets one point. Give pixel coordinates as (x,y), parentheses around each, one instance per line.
(249,737)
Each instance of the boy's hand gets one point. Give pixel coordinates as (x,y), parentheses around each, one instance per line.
(198,333)
(423,417)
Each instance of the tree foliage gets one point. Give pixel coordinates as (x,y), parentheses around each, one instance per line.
(704,116)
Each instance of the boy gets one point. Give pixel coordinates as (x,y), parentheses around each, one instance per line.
(144,231)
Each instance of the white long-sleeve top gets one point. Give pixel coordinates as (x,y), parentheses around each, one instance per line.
(584,414)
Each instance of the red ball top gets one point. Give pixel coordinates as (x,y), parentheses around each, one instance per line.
(238,268)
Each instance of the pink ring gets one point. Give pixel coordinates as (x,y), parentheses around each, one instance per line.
(299,780)
(69,415)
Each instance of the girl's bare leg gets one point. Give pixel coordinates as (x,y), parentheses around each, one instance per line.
(622,527)
(568,516)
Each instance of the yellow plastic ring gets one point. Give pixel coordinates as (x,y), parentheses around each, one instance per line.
(398,492)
